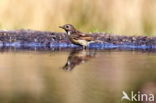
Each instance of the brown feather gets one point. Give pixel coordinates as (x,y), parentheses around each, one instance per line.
(87,38)
(77,37)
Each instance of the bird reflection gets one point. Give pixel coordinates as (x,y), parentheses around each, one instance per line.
(77,57)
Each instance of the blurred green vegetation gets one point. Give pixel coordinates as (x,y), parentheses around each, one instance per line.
(127,17)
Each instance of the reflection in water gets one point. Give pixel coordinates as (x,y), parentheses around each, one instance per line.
(77,57)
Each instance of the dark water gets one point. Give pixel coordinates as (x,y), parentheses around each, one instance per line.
(75,76)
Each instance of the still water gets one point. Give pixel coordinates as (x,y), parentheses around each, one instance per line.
(75,76)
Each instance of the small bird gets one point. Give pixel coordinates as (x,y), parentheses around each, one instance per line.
(77,37)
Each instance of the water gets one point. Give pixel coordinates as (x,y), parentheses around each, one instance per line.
(71,76)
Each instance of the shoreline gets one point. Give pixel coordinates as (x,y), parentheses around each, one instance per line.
(33,38)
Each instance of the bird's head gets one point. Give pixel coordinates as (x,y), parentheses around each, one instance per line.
(68,28)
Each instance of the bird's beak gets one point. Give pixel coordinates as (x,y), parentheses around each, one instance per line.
(61,27)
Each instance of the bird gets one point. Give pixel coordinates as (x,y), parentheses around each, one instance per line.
(77,37)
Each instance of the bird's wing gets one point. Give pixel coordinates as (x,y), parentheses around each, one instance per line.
(88,38)
(84,36)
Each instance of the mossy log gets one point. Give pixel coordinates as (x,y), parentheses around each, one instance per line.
(32,38)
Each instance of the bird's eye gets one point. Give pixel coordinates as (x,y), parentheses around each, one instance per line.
(67,26)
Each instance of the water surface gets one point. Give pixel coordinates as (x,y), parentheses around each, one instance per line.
(71,76)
